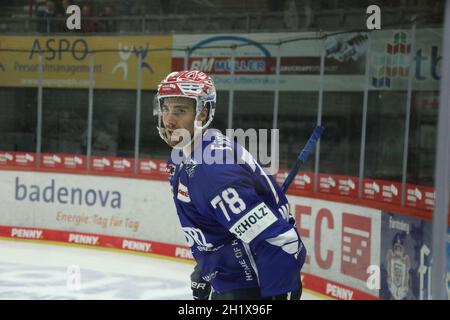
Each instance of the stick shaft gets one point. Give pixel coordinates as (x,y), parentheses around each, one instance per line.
(303,155)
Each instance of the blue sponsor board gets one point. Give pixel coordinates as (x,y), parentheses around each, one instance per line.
(405,258)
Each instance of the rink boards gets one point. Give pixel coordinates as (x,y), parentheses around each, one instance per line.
(353,251)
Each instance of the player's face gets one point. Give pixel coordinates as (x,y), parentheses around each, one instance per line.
(178,113)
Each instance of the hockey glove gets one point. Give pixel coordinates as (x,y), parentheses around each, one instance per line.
(200,288)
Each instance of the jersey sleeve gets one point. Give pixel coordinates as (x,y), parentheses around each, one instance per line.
(229,195)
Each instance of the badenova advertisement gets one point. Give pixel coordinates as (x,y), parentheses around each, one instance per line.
(128,208)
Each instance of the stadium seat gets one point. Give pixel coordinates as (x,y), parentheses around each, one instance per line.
(355,20)
(196,23)
(128,25)
(271,22)
(172,23)
(152,24)
(241,23)
(329,20)
(221,23)
(392,17)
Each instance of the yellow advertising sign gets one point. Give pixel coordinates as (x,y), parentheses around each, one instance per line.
(66,61)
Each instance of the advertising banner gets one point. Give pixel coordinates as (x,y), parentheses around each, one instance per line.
(66,61)
(405,258)
(120,207)
(344,65)
(340,185)
(383,191)
(342,241)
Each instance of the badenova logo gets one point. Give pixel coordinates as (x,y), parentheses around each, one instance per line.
(54,192)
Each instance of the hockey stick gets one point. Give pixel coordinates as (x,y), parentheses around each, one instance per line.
(315,136)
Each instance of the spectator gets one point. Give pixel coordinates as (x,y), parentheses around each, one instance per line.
(125,8)
(275,5)
(48,22)
(65,4)
(436,14)
(167,6)
(88,22)
(107,24)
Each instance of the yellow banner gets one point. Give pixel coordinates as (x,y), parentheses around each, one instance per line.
(66,61)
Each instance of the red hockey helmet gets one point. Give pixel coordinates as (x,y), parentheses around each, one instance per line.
(191,84)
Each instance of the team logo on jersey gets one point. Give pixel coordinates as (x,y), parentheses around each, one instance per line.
(170,169)
(196,236)
(183,193)
(190,168)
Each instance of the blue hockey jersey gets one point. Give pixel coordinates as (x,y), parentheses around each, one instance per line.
(236,219)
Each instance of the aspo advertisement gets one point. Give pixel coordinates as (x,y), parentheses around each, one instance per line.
(127,208)
(342,240)
(405,258)
(66,61)
(345,55)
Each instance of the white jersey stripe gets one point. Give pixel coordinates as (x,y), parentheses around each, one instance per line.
(252,260)
(275,194)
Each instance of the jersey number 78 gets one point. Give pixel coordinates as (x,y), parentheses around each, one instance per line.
(231,197)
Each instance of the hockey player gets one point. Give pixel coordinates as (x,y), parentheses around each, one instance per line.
(235,217)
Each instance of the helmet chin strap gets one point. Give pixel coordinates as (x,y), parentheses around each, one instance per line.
(162,134)
(192,144)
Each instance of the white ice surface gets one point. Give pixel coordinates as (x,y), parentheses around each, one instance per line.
(44,271)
